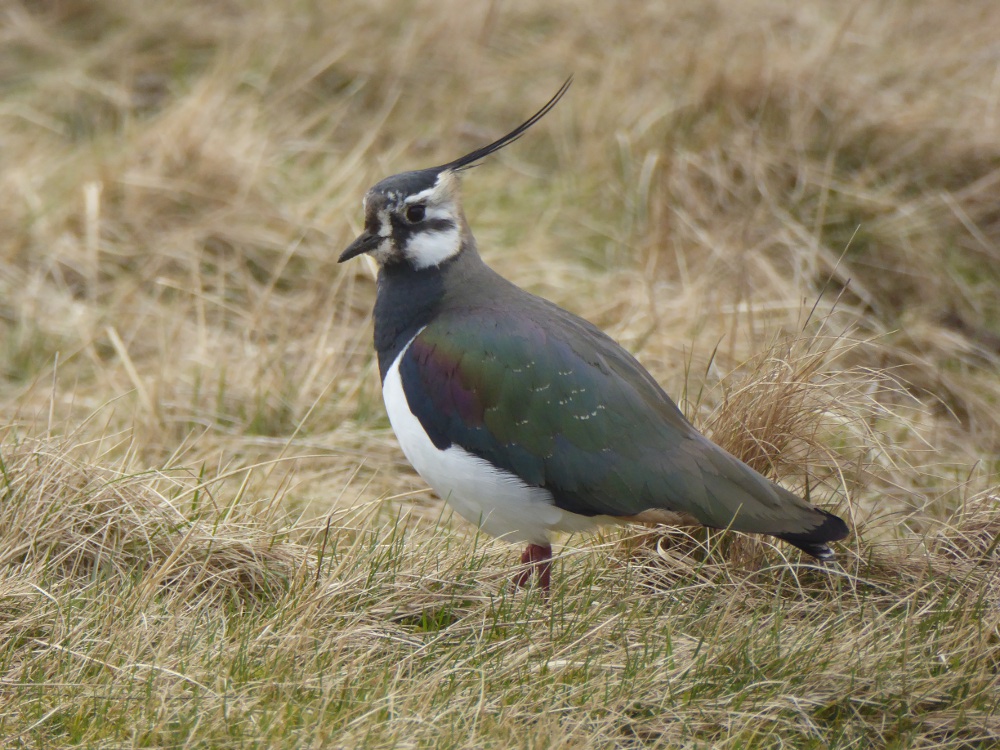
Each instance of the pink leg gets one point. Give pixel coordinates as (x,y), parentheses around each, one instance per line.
(539,558)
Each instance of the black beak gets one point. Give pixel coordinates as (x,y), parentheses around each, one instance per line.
(365,243)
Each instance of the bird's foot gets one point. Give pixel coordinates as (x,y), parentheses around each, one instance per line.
(536,558)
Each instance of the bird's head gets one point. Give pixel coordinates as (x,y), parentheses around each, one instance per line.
(416,217)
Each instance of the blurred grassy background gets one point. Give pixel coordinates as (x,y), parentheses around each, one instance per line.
(771,204)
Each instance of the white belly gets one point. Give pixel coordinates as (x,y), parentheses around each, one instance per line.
(499,502)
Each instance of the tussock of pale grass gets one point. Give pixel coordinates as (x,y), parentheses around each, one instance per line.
(63,517)
(209,536)
(973,532)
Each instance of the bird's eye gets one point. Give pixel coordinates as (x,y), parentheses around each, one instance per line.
(415,213)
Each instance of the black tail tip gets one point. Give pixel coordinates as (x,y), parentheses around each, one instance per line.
(819,551)
(813,542)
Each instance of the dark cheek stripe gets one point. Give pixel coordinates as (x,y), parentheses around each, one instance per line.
(403,231)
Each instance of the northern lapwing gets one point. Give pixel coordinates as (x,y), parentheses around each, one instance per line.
(524,417)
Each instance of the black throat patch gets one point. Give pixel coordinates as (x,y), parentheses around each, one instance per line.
(407,300)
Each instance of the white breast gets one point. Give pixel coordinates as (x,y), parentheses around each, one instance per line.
(499,502)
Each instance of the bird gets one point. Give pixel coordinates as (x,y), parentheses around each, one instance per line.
(525,418)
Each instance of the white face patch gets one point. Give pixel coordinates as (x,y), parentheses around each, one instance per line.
(432,248)
(440,212)
(424,195)
(428,246)
(384,223)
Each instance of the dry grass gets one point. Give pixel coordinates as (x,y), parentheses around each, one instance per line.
(208,536)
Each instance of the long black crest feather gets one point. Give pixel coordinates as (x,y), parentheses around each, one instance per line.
(470,159)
